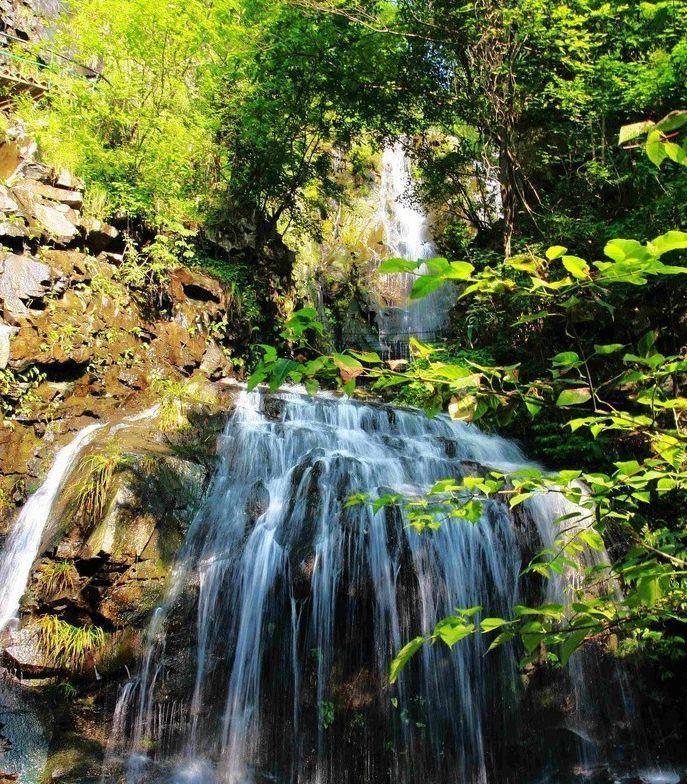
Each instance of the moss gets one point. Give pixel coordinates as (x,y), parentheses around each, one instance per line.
(74,759)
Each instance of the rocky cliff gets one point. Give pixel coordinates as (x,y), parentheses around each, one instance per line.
(95,329)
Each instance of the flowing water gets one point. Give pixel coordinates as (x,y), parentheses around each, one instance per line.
(287,605)
(406,236)
(24,540)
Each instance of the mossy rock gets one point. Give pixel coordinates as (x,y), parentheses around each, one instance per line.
(73,759)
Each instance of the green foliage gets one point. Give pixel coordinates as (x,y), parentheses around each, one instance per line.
(94,489)
(66,646)
(58,578)
(142,132)
(326,713)
(176,398)
(18,391)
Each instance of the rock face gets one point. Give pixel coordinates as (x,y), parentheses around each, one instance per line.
(105,569)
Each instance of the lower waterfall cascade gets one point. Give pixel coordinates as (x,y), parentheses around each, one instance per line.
(268,659)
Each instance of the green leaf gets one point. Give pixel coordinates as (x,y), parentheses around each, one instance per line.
(576,266)
(571,643)
(671,240)
(609,348)
(573,397)
(391,266)
(459,270)
(634,130)
(672,121)
(566,359)
(489,624)
(425,285)
(371,357)
(555,252)
(655,148)
(453,629)
(404,656)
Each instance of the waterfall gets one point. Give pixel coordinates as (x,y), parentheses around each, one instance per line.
(287,605)
(24,540)
(406,235)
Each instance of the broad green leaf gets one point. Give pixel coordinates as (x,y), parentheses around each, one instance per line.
(404,656)
(391,266)
(576,266)
(620,250)
(671,240)
(489,624)
(453,629)
(672,121)
(555,252)
(573,397)
(459,270)
(571,643)
(609,348)
(566,359)
(425,285)
(634,130)
(655,148)
(371,357)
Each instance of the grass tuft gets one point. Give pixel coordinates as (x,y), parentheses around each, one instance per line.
(67,646)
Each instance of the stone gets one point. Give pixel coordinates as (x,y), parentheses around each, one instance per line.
(10,160)
(7,203)
(25,654)
(213,359)
(21,278)
(15,227)
(65,179)
(6,332)
(99,235)
(70,263)
(186,284)
(62,195)
(55,223)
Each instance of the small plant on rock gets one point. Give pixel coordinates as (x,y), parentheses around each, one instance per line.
(175,399)
(67,646)
(94,489)
(58,578)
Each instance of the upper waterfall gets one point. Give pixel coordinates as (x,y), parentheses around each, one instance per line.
(406,236)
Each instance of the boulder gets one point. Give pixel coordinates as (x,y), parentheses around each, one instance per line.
(56,223)
(10,160)
(24,654)
(7,203)
(99,235)
(71,198)
(65,179)
(22,278)
(186,284)
(6,332)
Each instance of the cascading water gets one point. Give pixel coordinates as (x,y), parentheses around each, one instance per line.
(406,236)
(296,602)
(27,754)
(24,540)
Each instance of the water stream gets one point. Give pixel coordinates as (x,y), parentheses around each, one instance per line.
(406,236)
(24,540)
(287,605)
